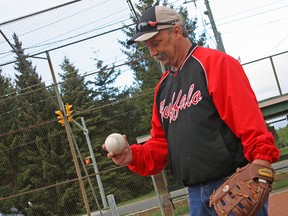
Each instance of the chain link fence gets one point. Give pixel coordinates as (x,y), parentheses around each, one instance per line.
(38,175)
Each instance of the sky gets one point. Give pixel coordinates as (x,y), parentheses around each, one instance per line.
(11,9)
(250,30)
(257,25)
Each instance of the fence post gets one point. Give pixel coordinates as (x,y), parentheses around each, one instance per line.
(112,205)
(275,74)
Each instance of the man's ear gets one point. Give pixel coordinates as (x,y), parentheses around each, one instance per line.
(178,31)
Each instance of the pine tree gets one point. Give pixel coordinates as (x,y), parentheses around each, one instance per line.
(73,88)
(34,106)
(7,92)
(102,85)
(36,157)
(74,91)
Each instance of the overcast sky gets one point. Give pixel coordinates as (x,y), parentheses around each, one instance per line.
(250,29)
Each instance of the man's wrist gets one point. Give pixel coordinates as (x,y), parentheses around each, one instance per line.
(262,162)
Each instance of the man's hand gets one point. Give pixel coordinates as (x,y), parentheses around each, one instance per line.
(245,192)
(124,158)
(262,162)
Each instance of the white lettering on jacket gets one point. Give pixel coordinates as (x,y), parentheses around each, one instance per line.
(179,103)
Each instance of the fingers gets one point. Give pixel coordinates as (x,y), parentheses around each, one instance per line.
(124,135)
(104,147)
(124,158)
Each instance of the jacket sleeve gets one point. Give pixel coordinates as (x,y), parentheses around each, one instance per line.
(151,157)
(237,105)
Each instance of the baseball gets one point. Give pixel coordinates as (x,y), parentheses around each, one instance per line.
(115,143)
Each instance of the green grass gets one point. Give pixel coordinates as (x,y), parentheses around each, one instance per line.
(182,210)
(284,151)
(144,197)
(178,212)
(281,180)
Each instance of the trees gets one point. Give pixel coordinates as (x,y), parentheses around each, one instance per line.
(7,170)
(282,140)
(73,87)
(33,156)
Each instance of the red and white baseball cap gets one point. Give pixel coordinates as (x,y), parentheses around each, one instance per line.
(154,19)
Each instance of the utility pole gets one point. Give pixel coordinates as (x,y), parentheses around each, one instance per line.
(70,140)
(217,34)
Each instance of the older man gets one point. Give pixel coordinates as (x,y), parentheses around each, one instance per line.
(206,121)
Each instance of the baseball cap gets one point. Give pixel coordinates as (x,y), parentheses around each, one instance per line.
(154,19)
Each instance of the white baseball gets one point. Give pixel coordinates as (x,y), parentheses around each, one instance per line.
(115,143)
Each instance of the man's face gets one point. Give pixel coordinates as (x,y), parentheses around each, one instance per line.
(161,46)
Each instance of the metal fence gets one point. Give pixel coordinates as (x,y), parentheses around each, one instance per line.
(50,186)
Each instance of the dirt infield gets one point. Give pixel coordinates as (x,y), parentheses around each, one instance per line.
(278,203)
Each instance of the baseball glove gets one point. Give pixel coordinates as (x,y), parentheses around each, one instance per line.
(245,192)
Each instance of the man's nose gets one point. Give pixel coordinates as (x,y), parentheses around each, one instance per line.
(153,52)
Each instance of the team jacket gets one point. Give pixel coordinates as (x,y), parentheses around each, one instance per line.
(206,121)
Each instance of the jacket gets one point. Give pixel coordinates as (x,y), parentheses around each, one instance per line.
(206,121)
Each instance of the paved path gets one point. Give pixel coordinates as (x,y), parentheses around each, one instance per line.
(278,203)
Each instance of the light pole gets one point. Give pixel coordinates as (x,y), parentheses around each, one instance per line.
(94,163)
(217,35)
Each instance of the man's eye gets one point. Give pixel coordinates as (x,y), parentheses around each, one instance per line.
(155,44)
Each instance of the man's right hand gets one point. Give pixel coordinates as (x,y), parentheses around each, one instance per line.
(124,158)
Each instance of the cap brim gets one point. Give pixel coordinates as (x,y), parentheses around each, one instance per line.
(141,36)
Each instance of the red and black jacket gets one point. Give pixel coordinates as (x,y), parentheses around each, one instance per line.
(206,121)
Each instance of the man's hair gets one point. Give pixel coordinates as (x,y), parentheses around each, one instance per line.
(184,31)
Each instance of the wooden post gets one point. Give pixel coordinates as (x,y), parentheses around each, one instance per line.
(160,186)
(69,137)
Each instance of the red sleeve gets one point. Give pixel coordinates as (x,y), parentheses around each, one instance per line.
(237,105)
(151,157)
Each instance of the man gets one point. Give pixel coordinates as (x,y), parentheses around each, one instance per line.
(206,121)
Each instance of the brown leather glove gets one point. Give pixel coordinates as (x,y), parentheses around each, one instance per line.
(245,192)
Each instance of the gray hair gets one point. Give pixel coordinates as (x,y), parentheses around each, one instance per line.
(184,31)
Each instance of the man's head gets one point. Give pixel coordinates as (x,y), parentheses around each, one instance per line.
(153,20)
(162,31)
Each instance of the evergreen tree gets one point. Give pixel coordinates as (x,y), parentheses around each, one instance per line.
(73,88)
(103,92)
(7,92)
(74,91)
(38,163)
(282,137)
(103,89)
(35,107)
